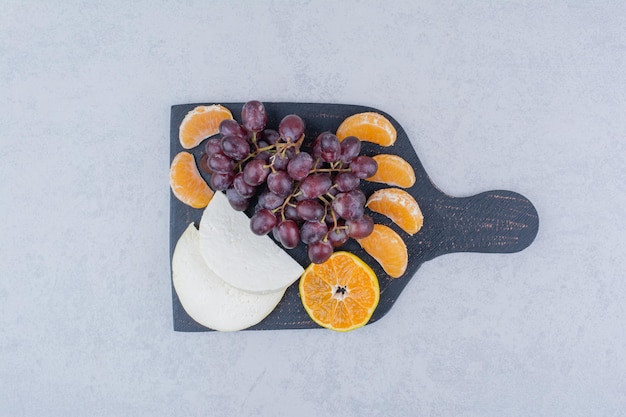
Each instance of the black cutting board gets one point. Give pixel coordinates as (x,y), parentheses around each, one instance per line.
(491,222)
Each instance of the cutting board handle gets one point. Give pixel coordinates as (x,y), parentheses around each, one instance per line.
(491,222)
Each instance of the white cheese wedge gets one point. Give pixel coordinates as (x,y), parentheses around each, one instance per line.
(241,258)
(207,298)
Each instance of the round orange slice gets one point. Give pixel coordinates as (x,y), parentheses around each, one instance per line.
(388,248)
(393,170)
(399,206)
(200,123)
(186,182)
(370,127)
(340,294)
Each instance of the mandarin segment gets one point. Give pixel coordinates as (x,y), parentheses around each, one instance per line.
(342,318)
(365,298)
(317,290)
(355,308)
(324,312)
(326,272)
(201,123)
(393,170)
(399,206)
(369,127)
(388,248)
(186,182)
(340,294)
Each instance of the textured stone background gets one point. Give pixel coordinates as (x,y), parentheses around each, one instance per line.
(519,95)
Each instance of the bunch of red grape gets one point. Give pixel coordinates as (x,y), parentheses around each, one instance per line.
(310,197)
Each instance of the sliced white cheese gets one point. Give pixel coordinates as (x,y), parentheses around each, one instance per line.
(241,258)
(207,298)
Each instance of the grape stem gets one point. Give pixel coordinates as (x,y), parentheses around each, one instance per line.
(277,148)
(316,170)
(282,207)
(324,200)
(280,149)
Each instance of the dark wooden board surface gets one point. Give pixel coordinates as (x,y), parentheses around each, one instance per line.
(497,221)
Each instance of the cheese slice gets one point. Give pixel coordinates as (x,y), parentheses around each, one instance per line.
(207,298)
(241,258)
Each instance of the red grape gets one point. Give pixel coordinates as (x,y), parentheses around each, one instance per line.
(262,222)
(291,128)
(203,164)
(235,147)
(235,199)
(310,210)
(269,200)
(213,146)
(291,213)
(280,183)
(363,166)
(315,185)
(316,150)
(279,161)
(288,233)
(231,127)
(271,136)
(263,156)
(253,116)
(221,182)
(319,251)
(338,237)
(243,188)
(300,166)
(255,172)
(350,149)
(348,205)
(313,231)
(329,147)
(346,181)
(221,163)
(360,227)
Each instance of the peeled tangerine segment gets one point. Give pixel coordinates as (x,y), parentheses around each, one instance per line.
(200,123)
(369,127)
(399,206)
(393,170)
(388,248)
(186,182)
(244,260)
(207,298)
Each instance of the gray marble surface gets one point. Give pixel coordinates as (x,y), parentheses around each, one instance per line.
(528,96)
